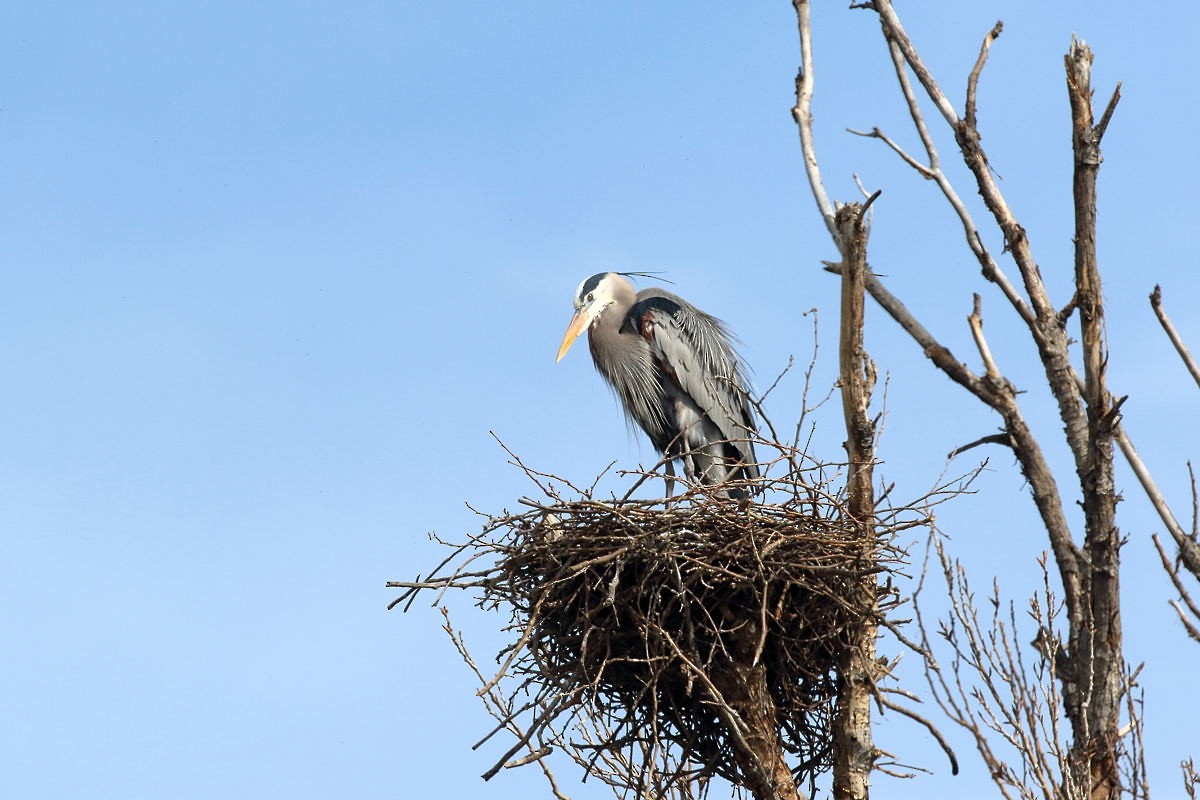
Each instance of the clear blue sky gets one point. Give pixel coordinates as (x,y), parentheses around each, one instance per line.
(272,271)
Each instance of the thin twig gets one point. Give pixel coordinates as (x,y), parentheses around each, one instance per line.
(929,726)
(977,70)
(1180,347)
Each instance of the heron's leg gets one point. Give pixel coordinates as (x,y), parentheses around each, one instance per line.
(670,479)
(719,470)
(689,468)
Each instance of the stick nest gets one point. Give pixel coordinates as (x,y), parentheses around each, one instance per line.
(655,617)
(655,632)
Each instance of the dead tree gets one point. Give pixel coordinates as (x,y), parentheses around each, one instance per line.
(1087,650)
(853,746)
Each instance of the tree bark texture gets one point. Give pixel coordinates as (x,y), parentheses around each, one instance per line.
(755,728)
(853,745)
(1094,706)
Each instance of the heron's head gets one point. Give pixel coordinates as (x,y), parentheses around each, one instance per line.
(591,298)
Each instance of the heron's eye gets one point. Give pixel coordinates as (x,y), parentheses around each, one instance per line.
(590,297)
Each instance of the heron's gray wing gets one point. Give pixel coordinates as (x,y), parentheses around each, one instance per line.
(697,355)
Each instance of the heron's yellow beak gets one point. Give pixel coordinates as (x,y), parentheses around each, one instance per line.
(578,325)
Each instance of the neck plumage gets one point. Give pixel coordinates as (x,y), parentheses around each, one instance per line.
(622,356)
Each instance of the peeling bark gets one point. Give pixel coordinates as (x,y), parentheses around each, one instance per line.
(853,746)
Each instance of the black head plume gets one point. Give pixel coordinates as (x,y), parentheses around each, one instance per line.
(654,276)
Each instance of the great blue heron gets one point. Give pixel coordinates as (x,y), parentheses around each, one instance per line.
(676,373)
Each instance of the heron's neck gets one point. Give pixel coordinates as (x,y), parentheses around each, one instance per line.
(610,345)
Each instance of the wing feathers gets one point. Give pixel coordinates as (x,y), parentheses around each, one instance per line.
(695,352)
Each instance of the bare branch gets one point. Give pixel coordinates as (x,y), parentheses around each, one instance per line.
(1173,334)
(802,114)
(985,352)
(977,70)
(990,269)
(1102,125)
(1188,548)
(929,726)
(895,33)
(995,438)
(875,133)
(1191,616)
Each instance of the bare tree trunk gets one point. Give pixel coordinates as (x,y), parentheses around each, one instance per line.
(853,746)
(756,743)
(1094,705)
